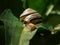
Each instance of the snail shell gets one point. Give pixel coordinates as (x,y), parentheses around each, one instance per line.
(30,15)
(31,27)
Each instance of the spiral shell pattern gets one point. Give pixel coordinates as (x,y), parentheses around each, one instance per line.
(30,15)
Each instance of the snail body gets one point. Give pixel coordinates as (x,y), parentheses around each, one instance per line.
(30,18)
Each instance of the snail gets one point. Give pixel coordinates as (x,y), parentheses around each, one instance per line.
(30,18)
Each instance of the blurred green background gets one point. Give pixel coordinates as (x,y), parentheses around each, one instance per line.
(49,9)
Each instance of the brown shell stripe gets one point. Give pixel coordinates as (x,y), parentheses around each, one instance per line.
(36,20)
(27,14)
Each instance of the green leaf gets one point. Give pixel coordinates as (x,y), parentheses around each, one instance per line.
(38,5)
(41,6)
(13,27)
